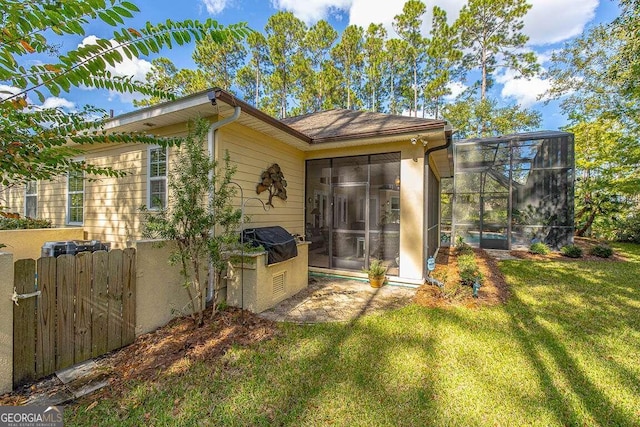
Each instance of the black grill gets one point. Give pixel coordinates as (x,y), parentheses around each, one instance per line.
(278,242)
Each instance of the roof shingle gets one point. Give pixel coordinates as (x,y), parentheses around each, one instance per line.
(332,125)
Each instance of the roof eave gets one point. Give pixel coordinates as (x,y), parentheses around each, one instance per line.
(389,132)
(231,100)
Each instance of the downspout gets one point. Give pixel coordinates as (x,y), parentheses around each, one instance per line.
(426,199)
(211,141)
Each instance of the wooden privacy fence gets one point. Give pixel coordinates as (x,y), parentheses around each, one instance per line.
(85,308)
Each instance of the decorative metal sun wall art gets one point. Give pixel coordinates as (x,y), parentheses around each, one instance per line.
(272,180)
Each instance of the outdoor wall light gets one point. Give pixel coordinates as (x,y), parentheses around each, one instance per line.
(212,97)
(416,139)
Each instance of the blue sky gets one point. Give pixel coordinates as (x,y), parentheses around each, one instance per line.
(549,24)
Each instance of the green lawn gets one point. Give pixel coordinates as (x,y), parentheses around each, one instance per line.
(565,350)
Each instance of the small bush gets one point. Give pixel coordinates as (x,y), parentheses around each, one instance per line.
(463,248)
(571,251)
(23,223)
(602,251)
(469,271)
(539,248)
(628,229)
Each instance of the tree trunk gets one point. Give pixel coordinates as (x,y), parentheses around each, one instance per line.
(415,86)
(483,90)
(348,90)
(582,231)
(257,86)
(195,264)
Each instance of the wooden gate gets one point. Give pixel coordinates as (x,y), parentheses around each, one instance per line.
(85,308)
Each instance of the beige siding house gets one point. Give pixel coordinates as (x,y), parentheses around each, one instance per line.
(361,185)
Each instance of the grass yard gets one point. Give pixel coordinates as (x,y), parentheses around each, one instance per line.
(564,350)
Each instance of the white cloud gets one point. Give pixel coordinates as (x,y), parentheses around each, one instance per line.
(548,21)
(456,89)
(365,12)
(7,91)
(524,91)
(553,21)
(215,6)
(136,68)
(311,11)
(55,102)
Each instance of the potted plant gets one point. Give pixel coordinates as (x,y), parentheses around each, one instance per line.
(377,273)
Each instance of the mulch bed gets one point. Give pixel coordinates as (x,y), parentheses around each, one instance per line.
(494,289)
(584,243)
(170,348)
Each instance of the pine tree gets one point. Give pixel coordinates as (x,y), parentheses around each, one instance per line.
(491,34)
(219,61)
(284,35)
(250,77)
(443,62)
(317,44)
(375,66)
(397,77)
(408,26)
(348,58)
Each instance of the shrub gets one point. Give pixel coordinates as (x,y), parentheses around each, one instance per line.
(463,248)
(629,229)
(539,248)
(571,251)
(469,271)
(602,251)
(23,223)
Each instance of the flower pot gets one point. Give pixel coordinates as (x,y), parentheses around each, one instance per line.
(376,282)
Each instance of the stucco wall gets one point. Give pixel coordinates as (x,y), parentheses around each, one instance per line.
(25,244)
(252,286)
(160,295)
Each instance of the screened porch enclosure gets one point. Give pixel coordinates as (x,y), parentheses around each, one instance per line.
(353,211)
(510,191)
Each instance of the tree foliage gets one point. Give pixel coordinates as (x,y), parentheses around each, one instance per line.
(408,26)
(477,118)
(219,61)
(376,66)
(443,62)
(284,35)
(295,70)
(36,142)
(192,216)
(349,60)
(595,77)
(491,35)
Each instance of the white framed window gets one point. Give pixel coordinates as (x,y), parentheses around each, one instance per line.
(31,199)
(157,184)
(75,197)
